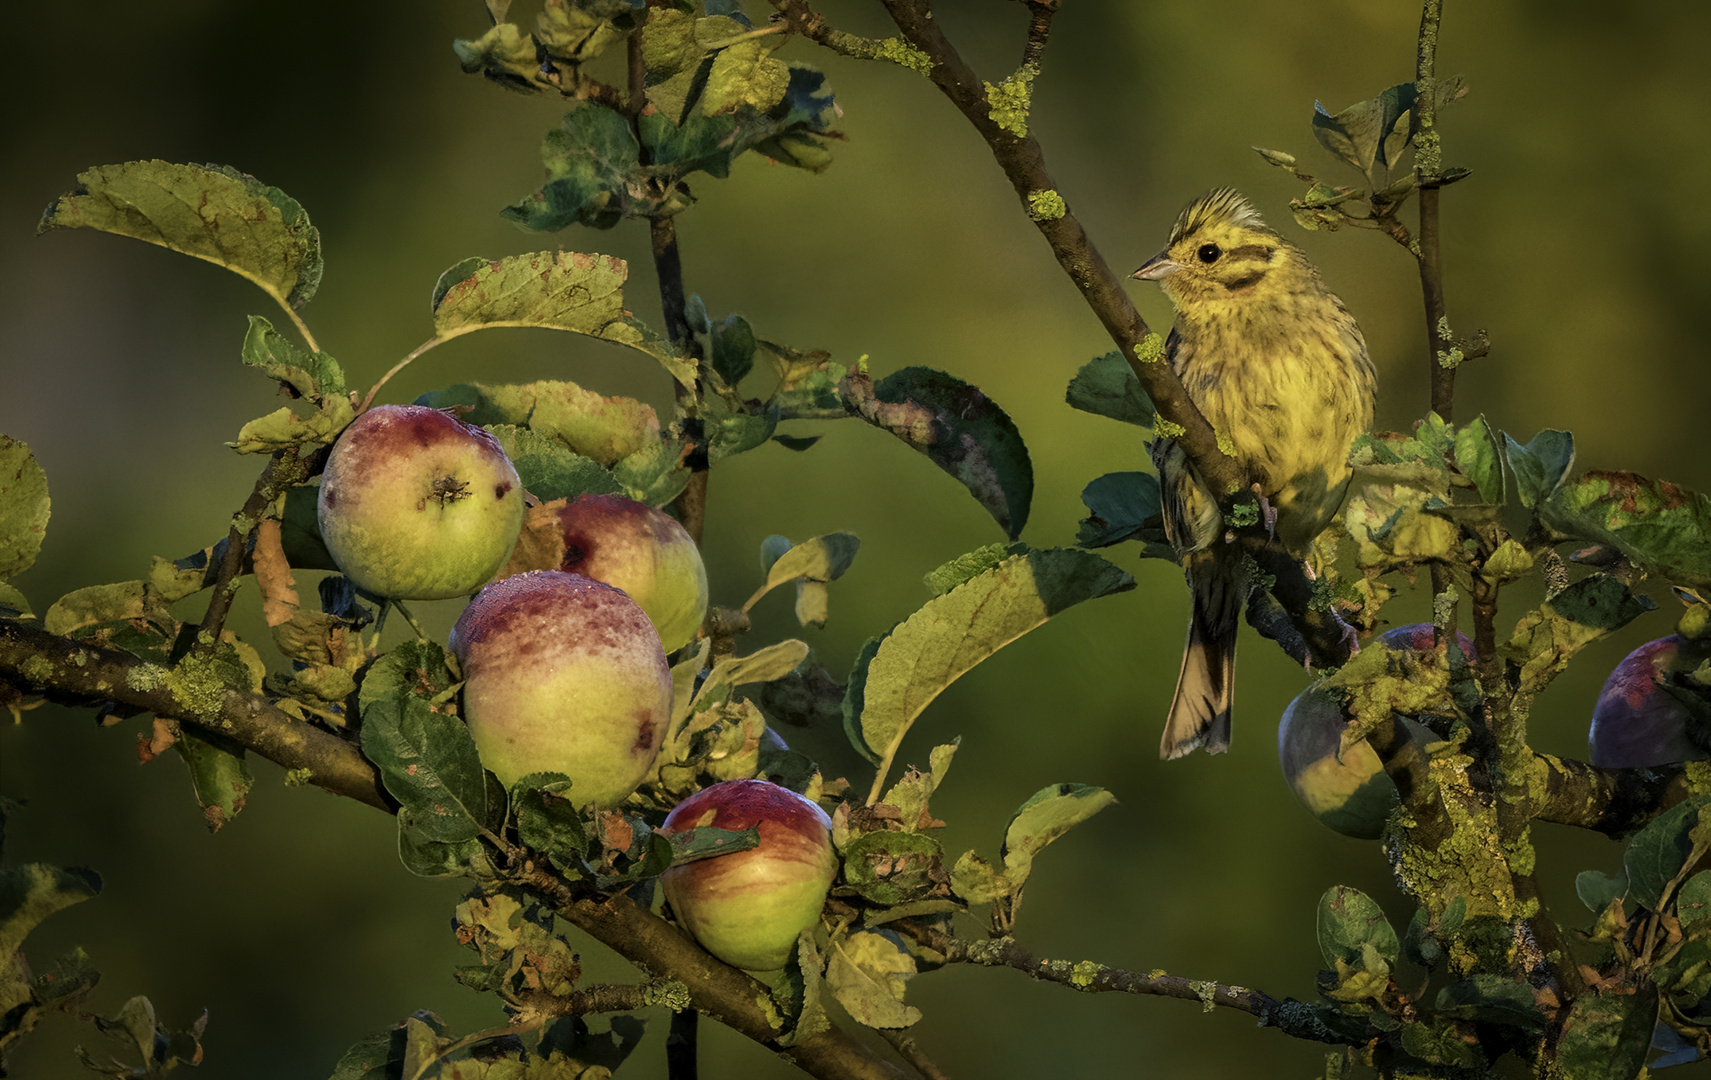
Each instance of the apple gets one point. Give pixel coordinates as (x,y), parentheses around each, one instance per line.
(748,907)
(1354,795)
(563,674)
(634,547)
(1636,722)
(417,505)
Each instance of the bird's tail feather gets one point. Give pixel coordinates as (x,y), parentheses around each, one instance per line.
(1200,711)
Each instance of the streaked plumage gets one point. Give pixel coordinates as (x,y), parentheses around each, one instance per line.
(1280,370)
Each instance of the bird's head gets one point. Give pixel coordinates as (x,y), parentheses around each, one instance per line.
(1220,250)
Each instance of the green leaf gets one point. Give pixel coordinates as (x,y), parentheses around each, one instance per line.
(218,775)
(765,664)
(855,697)
(1107,386)
(820,558)
(24,507)
(978,881)
(1693,902)
(948,575)
(707,842)
(1479,459)
(1442,1044)
(299,534)
(1607,1036)
(426,757)
(954,632)
(505,54)
(550,470)
(434,858)
(733,349)
(959,429)
(1658,853)
(733,431)
(868,972)
(305,374)
(1372,135)
(1124,506)
(1541,465)
(1047,815)
(549,823)
(1661,528)
(209,211)
(890,867)
(1494,999)
(745,73)
(593,162)
(33,891)
(1349,920)
(553,290)
(1587,610)
(654,474)
(800,993)
(1597,889)
(374,1058)
(283,428)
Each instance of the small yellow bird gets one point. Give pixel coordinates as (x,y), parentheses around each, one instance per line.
(1279,368)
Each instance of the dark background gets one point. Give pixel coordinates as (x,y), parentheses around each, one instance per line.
(1581,243)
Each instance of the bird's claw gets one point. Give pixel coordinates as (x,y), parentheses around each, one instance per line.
(1267,512)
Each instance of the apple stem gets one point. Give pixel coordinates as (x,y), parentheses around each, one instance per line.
(395,369)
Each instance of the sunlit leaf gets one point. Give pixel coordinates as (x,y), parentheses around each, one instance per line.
(24,507)
(211,212)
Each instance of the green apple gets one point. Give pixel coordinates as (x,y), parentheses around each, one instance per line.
(417,505)
(748,907)
(634,547)
(563,674)
(1349,793)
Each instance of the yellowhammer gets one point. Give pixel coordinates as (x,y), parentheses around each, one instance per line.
(1278,367)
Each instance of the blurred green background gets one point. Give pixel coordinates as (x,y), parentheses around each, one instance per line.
(1582,243)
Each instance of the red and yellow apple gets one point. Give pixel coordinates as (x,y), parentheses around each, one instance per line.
(748,907)
(1639,724)
(417,505)
(628,545)
(563,674)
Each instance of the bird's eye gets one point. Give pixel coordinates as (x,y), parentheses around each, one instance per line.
(1209,253)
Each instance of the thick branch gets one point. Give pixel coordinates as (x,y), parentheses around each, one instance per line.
(731,996)
(48,664)
(1614,802)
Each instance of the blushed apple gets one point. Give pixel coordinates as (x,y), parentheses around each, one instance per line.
(1352,795)
(417,505)
(563,674)
(1636,722)
(748,907)
(631,546)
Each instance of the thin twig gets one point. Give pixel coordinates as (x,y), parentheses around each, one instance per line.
(285,469)
(1023,162)
(909,1051)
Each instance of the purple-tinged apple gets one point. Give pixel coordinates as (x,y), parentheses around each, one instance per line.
(563,674)
(1350,794)
(1637,723)
(629,545)
(748,907)
(417,505)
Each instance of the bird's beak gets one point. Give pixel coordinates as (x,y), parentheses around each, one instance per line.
(1157,268)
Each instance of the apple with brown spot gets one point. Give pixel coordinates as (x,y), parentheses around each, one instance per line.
(748,907)
(417,505)
(563,674)
(629,545)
